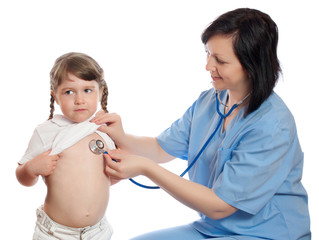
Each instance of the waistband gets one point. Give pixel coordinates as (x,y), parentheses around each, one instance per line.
(51,226)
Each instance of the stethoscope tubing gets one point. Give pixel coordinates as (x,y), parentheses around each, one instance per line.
(222,116)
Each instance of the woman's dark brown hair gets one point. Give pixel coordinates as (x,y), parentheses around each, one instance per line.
(255,39)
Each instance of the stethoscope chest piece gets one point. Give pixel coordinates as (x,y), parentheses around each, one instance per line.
(96,146)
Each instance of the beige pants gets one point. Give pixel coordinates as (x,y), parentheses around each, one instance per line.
(47,229)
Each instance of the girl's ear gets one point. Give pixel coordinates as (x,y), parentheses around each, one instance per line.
(55,98)
(101,93)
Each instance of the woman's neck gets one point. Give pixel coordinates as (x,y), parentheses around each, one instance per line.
(236,97)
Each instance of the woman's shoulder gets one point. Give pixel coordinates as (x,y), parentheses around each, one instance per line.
(273,113)
(275,105)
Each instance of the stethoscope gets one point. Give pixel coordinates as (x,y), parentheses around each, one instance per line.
(97,146)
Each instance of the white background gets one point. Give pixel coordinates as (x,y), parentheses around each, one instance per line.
(154,65)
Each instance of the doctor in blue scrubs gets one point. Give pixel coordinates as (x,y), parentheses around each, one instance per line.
(246,184)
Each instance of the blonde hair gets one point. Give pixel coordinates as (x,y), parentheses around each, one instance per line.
(83,67)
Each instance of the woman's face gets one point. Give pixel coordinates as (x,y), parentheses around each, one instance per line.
(224,66)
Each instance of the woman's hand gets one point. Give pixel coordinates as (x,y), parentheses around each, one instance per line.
(138,145)
(125,165)
(193,195)
(112,124)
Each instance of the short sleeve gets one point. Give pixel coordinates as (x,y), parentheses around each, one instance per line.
(175,139)
(35,147)
(255,169)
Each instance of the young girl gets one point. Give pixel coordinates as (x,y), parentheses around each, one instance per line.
(77,186)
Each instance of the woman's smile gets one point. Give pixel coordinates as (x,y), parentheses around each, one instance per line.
(215,78)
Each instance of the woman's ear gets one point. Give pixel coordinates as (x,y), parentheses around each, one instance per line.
(54,96)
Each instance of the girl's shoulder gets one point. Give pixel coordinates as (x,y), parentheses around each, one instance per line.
(53,124)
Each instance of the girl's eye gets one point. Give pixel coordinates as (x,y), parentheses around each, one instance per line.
(68,92)
(88,90)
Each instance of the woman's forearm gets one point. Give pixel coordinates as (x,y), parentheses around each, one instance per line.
(111,124)
(144,146)
(191,194)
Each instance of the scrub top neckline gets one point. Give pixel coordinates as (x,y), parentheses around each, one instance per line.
(230,125)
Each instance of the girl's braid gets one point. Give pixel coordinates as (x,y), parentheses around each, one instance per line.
(51,107)
(104,97)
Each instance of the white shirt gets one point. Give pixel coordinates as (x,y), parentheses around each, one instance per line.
(58,134)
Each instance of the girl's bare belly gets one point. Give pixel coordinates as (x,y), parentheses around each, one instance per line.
(78,189)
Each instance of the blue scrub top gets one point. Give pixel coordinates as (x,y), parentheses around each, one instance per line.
(254,165)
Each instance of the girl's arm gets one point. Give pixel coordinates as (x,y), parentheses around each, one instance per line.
(43,164)
(143,146)
(193,195)
(25,175)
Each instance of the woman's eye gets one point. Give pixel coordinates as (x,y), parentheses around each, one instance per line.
(88,90)
(220,61)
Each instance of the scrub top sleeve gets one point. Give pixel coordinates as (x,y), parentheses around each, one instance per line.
(175,139)
(35,147)
(257,167)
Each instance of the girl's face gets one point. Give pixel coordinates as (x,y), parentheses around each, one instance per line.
(225,69)
(77,98)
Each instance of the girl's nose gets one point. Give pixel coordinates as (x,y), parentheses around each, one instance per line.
(79,99)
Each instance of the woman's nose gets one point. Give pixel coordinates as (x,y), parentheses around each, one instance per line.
(210,65)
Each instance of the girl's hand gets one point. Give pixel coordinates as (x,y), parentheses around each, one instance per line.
(43,164)
(113,124)
(125,165)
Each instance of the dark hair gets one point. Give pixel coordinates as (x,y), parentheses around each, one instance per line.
(255,39)
(83,67)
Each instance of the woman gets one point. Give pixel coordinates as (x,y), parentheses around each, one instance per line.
(246,183)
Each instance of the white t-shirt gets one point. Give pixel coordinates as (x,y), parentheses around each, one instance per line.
(58,134)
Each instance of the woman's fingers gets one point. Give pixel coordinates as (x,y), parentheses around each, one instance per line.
(111,124)
(117,154)
(111,167)
(102,128)
(111,162)
(120,164)
(108,118)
